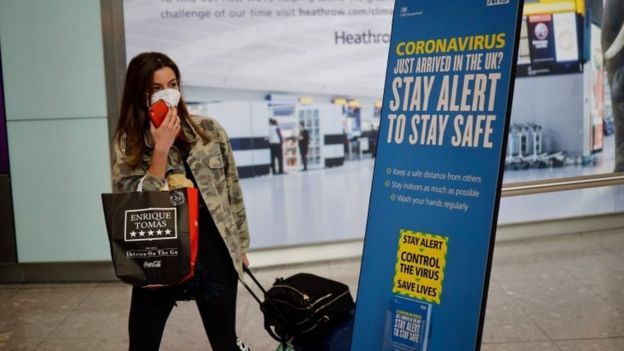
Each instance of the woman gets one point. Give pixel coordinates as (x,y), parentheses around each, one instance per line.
(199,148)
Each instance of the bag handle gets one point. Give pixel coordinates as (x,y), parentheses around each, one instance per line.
(140,186)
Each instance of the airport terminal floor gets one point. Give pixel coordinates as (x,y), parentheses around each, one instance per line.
(556,293)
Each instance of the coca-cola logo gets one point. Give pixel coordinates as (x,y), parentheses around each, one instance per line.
(152,264)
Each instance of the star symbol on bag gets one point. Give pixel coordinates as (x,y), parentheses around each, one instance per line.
(158,232)
(141,233)
(168,231)
(150,233)
(133,234)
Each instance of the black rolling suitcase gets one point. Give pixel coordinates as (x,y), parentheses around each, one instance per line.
(305,309)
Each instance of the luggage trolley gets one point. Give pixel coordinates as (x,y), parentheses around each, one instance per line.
(537,159)
(517,147)
(512,145)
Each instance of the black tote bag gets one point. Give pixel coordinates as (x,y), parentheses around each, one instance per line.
(152,235)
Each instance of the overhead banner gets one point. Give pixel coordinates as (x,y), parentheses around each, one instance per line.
(308,46)
(437,177)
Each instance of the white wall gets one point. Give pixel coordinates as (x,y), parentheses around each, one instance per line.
(53,65)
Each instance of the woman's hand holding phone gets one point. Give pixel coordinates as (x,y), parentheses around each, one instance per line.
(165,135)
(158,111)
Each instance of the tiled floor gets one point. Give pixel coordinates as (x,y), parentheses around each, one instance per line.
(561,293)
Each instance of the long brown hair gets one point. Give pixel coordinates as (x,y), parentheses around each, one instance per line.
(133,118)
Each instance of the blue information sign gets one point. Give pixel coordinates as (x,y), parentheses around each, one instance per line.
(436,183)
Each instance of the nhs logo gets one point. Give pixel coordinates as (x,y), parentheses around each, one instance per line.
(496,2)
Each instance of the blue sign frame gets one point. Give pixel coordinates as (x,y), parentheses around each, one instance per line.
(437,177)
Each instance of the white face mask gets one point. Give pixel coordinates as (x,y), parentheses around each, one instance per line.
(170,96)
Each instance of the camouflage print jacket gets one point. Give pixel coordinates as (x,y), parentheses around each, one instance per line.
(213,167)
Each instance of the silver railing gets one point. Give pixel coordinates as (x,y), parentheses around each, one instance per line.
(571,183)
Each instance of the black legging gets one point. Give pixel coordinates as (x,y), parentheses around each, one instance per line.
(150,308)
(303,150)
(277,154)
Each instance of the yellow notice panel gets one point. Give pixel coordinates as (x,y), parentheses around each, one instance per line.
(420,265)
(555,6)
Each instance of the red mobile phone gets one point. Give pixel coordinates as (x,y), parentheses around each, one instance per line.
(158,112)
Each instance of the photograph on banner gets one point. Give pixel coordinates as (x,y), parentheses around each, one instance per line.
(316,68)
(288,80)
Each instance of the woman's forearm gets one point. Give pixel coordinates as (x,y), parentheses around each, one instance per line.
(158,164)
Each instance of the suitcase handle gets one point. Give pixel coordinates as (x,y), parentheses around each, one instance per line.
(267,325)
(248,271)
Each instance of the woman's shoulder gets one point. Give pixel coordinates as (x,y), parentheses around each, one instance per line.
(209,124)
